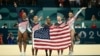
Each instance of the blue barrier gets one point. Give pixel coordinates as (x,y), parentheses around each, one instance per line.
(89,35)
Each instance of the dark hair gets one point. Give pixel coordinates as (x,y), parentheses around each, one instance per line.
(25,10)
(71,11)
(48,23)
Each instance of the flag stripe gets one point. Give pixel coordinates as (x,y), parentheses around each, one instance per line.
(54,48)
(57,36)
(58,29)
(63,33)
(52,41)
(53,45)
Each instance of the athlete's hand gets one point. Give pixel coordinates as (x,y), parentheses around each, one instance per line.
(40,18)
(83,8)
(31,11)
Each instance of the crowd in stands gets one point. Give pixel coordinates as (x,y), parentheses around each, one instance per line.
(57,3)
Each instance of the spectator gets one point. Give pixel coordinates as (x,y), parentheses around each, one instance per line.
(78,26)
(0,2)
(34,2)
(93,3)
(78,3)
(1,40)
(84,3)
(93,26)
(15,4)
(93,18)
(72,3)
(83,25)
(89,4)
(66,3)
(10,38)
(0,16)
(4,26)
(15,25)
(61,3)
(98,3)
(80,18)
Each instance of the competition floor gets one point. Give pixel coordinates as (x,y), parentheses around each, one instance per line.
(12,50)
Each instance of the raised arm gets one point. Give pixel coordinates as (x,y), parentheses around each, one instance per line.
(71,21)
(79,11)
(16,8)
(15,5)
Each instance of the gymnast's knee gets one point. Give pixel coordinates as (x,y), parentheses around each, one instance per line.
(19,41)
(24,41)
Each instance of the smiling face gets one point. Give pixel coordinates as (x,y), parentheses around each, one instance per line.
(35,18)
(59,18)
(93,17)
(48,20)
(24,15)
(70,14)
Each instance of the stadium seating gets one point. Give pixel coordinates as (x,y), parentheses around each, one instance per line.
(10,16)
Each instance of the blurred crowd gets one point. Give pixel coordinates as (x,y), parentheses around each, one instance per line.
(56,3)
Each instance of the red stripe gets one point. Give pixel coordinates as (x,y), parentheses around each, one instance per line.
(51,41)
(59,34)
(64,26)
(58,30)
(60,38)
(52,45)
(59,27)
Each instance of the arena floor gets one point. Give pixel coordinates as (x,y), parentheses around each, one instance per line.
(12,50)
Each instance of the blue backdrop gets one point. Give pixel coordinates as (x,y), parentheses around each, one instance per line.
(89,35)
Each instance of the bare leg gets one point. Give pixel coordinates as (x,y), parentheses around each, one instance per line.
(36,51)
(61,51)
(72,38)
(25,40)
(20,46)
(32,51)
(50,52)
(46,51)
(58,52)
(20,40)
(70,47)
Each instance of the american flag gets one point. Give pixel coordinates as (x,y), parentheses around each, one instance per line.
(52,38)
(55,37)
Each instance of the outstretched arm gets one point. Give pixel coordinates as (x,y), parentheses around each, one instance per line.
(79,11)
(71,21)
(15,5)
